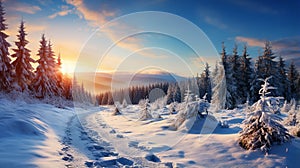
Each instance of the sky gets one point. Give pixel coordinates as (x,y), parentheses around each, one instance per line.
(177,36)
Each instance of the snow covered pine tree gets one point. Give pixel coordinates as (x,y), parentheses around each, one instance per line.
(261,129)
(145,110)
(5,66)
(22,63)
(43,83)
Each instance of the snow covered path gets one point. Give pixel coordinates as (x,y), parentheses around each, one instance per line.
(86,144)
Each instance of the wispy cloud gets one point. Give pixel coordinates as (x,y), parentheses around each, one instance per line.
(131,43)
(253,42)
(215,22)
(96,18)
(211,17)
(63,12)
(22,7)
(115,31)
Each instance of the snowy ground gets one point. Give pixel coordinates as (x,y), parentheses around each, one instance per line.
(202,146)
(41,135)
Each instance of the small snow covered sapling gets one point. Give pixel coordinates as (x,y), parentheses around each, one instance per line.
(262,128)
(203,106)
(116,112)
(145,110)
(117,107)
(172,108)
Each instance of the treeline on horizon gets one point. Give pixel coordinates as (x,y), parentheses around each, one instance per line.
(242,78)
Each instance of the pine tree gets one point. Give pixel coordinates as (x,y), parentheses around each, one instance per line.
(261,129)
(42,84)
(219,90)
(265,66)
(205,84)
(230,103)
(170,94)
(188,96)
(283,83)
(22,63)
(294,78)
(67,87)
(234,82)
(52,69)
(104,100)
(6,70)
(59,76)
(145,110)
(245,77)
(177,95)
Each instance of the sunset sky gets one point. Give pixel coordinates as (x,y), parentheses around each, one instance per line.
(70,23)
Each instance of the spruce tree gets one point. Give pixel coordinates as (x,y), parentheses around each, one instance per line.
(294,78)
(52,69)
(245,77)
(6,70)
(219,90)
(22,64)
(235,82)
(262,128)
(67,87)
(42,84)
(265,66)
(283,83)
(229,104)
(206,83)
(59,76)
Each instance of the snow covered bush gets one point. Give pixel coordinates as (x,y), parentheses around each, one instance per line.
(188,112)
(172,107)
(159,103)
(262,128)
(145,110)
(203,106)
(190,109)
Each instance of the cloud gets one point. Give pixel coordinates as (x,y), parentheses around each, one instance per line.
(64,11)
(215,22)
(114,30)
(117,30)
(253,42)
(96,18)
(22,7)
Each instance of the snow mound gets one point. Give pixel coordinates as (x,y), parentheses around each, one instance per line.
(30,133)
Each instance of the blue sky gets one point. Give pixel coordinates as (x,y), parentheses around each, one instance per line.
(69,23)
